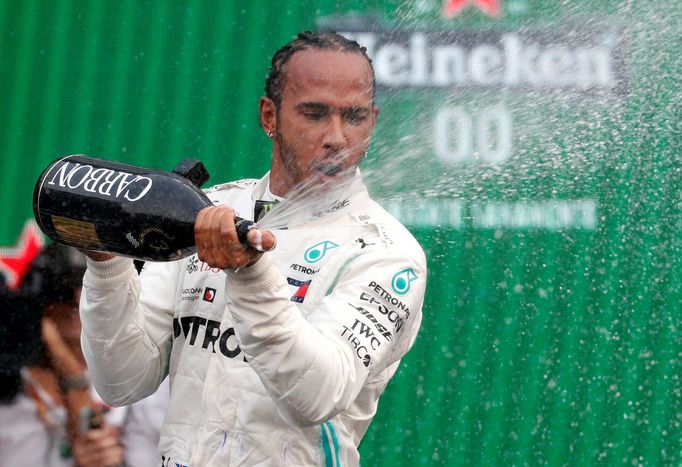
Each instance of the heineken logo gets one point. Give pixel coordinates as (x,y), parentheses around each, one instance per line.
(531,60)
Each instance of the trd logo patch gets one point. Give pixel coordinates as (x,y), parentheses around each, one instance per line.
(209,295)
(300,294)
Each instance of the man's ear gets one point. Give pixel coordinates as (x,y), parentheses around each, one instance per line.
(268,115)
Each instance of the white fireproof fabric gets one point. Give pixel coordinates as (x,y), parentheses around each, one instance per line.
(280,363)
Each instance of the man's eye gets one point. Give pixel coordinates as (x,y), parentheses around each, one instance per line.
(314,115)
(356,118)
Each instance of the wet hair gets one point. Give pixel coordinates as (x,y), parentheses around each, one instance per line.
(20,341)
(55,275)
(328,40)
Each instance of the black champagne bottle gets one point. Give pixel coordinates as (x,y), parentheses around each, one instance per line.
(93,204)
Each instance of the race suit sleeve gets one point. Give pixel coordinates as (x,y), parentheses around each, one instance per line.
(314,367)
(126,336)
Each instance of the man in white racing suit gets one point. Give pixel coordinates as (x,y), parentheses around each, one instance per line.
(278,350)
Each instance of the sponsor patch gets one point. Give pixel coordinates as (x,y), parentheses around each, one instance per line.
(191,294)
(261,208)
(386,297)
(206,333)
(192,264)
(209,295)
(392,315)
(402,280)
(364,332)
(318,251)
(379,327)
(303,269)
(303,286)
(363,243)
(360,350)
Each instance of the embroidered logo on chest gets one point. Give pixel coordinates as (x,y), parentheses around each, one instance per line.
(318,251)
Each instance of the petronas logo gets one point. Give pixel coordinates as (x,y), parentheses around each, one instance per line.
(401,281)
(318,251)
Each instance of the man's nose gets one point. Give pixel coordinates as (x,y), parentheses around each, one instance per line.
(335,136)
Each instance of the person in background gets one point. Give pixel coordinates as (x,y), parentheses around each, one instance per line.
(279,349)
(49,413)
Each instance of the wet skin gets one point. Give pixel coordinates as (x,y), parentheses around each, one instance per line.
(323,125)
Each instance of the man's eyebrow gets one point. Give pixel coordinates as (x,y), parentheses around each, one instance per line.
(325,107)
(358,109)
(312,106)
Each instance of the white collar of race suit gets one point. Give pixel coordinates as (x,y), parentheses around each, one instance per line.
(334,205)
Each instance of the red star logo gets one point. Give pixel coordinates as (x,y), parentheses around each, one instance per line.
(14,262)
(452,8)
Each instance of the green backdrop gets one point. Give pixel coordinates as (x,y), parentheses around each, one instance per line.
(535,152)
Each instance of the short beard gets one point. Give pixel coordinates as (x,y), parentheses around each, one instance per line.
(288,157)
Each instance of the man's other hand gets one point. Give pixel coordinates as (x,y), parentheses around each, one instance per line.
(217,242)
(100,447)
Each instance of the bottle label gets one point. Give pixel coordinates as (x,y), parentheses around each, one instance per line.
(77,233)
(100,181)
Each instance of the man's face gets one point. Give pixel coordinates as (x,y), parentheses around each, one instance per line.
(325,120)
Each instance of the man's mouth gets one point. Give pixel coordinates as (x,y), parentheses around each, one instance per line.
(330,169)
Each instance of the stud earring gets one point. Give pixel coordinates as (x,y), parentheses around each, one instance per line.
(269,133)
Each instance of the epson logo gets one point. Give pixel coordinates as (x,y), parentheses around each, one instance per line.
(386,296)
(106,182)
